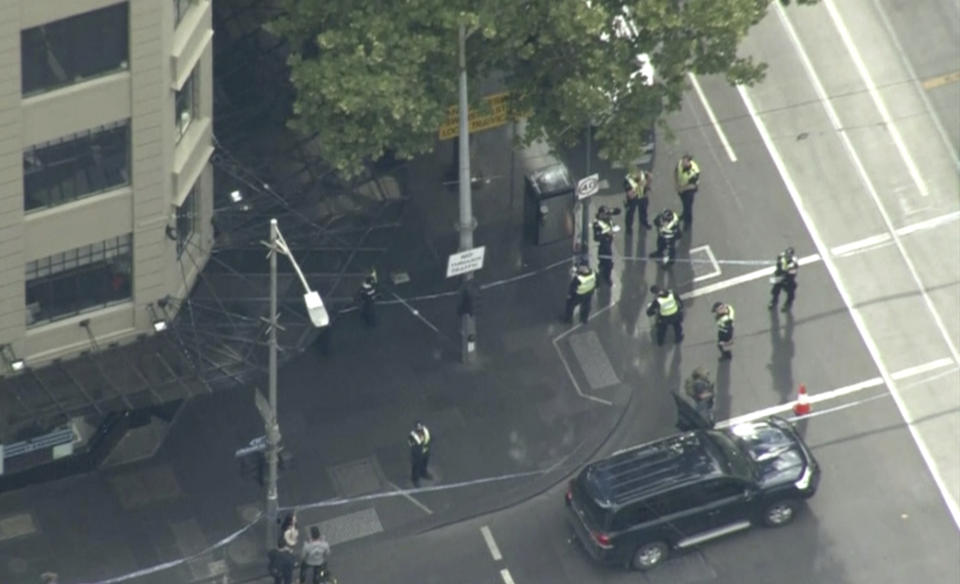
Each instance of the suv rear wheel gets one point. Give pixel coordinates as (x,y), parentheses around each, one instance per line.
(779,513)
(649,555)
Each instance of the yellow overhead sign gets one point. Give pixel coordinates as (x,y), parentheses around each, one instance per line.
(498,105)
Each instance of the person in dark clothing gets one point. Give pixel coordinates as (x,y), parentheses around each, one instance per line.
(667,307)
(603,230)
(282,564)
(580,293)
(636,187)
(668,232)
(784,278)
(723,315)
(688,181)
(700,390)
(419,441)
(366,297)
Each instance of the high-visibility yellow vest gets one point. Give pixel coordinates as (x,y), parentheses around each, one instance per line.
(422,441)
(667,229)
(684,176)
(668,305)
(725,321)
(788,265)
(602,227)
(638,184)
(586,283)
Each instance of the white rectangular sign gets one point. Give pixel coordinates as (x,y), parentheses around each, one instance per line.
(588,186)
(465,261)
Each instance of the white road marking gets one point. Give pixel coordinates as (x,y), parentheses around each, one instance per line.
(506,577)
(713,118)
(877,99)
(403,493)
(743,278)
(713,260)
(868,340)
(867,182)
(929,223)
(861,244)
(838,392)
(491,544)
(912,74)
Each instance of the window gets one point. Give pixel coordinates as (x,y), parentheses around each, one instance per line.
(186,219)
(180,8)
(76,166)
(74,49)
(186,105)
(78,280)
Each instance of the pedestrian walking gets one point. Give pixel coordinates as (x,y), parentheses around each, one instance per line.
(366,298)
(723,315)
(667,307)
(580,293)
(603,230)
(700,390)
(636,186)
(419,441)
(784,278)
(687,180)
(282,563)
(668,232)
(314,557)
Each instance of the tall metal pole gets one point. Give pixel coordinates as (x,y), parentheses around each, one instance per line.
(273,428)
(585,208)
(467,325)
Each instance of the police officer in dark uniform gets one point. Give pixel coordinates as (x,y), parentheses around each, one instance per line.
(785,278)
(580,294)
(636,187)
(668,232)
(603,230)
(419,441)
(667,307)
(723,315)
(367,296)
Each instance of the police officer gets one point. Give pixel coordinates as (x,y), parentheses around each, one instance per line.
(687,178)
(785,278)
(636,186)
(668,308)
(580,294)
(367,296)
(723,315)
(668,232)
(419,441)
(603,231)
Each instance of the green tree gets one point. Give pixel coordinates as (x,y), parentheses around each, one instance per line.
(373,76)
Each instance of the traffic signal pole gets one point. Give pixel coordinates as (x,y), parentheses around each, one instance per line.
(468,330)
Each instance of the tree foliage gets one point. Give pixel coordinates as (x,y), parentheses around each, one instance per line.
(373,76)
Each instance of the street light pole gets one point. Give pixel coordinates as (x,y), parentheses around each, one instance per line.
(466,226)
(273,427)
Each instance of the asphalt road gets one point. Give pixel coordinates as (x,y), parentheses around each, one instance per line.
(847,152)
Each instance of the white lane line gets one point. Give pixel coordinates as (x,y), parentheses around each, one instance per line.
(912,74)
(858,321)
(742,278)
(861,244)
(506,577)
(929,223)
(713,117)
(867,182)
(491,543)
(403,493)
(877,99)
(838,392)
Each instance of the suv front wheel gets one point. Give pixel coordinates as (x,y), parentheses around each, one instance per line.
(649,555)
(779,513)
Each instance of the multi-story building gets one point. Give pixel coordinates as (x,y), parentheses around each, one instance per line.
(106,188)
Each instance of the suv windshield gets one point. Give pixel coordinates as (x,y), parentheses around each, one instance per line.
(739,463)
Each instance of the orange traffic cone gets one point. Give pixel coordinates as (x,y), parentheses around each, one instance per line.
(802,405)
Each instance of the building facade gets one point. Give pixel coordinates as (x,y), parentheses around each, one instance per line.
(106,188)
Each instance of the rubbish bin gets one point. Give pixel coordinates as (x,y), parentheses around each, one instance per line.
(549,193)
(549,205)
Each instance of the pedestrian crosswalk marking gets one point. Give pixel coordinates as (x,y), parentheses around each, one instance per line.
(700,257)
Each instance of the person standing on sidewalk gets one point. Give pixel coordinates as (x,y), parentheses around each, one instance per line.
(282,563)
(667,307)
(314,555)
(687,179)
(367,297)
(723,315)
(580,293)
(419,441)
(668,232)
(784,278)
(636,186)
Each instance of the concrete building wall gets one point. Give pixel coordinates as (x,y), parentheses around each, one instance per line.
(165,164)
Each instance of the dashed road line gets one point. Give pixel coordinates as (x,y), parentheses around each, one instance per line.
(491,543)
(506,577)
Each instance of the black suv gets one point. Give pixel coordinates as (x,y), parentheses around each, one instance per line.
(635,506)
